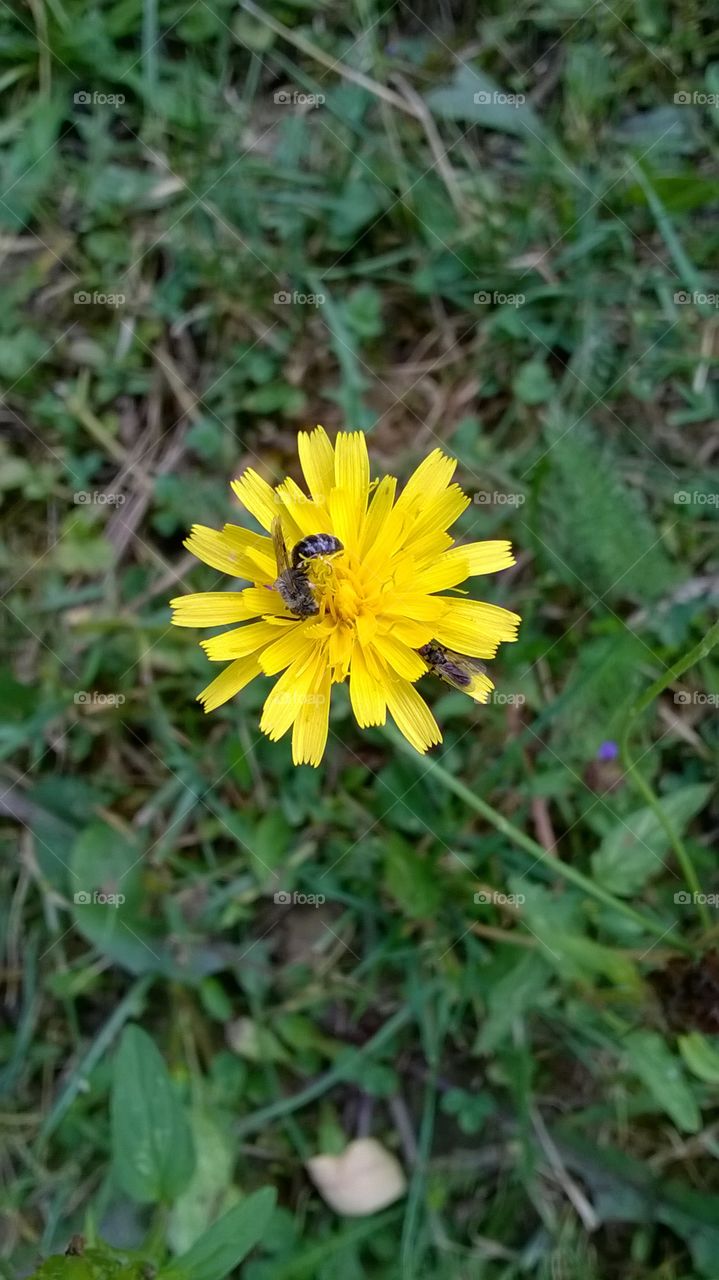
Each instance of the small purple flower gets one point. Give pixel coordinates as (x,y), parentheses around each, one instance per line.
(609,750)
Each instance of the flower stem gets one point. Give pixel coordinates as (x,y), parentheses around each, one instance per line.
(682,664)
(518,837)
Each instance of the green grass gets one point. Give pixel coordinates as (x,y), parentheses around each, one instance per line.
(545,1064)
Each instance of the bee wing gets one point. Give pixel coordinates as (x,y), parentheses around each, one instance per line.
(476,666)
(278,541)
(465,662)
(459,670)
(447,675)
(474,674)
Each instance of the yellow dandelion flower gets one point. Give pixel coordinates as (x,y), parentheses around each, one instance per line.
(348,586)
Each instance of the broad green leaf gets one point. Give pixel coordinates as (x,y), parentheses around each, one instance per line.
(104,864)
(586,958)
(596,531)
(276,397)
(254,1041)
(651,1060)
(411,879)
(471,1109)
(532,383)
(105,882)
(151,1140)
(363,311)
(635,848)
(557,924)
(360,203)
(701,1056)
(515,993)
(474,96)
(219,1250)
(269,845)
(209,1190)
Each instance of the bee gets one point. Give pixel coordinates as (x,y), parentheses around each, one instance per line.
(292,580)
(316,544)
(456,669)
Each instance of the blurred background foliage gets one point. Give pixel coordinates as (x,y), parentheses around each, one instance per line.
(507,223)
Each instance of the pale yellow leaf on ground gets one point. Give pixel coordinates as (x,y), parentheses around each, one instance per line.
(364,1179)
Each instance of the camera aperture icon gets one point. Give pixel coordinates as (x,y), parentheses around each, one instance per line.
(97,898)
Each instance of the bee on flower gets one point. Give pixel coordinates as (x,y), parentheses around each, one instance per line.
(348,584)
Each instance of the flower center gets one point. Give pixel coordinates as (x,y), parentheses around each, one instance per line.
(342,592)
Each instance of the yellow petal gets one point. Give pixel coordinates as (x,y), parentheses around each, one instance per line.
(299,514)
(411,714)
(379,560)
(366,692)
(352,464)
(465,640)
(475,628)
(412,633)
(486,557)
(414,605)
(257,549)
(480,688)
(341,644)
(427,482)
(430,547)
(283,703)
(291,645)
(266,601)
(366,625)
(399,656)
(448,571)
(211,609)
(343,515)
(318,462)
(379,509)
(256,496)
(492,618)
(233,550)
(309,732)
(437,514)
(465,561)
(352,476)
(229,682)
(241,641)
